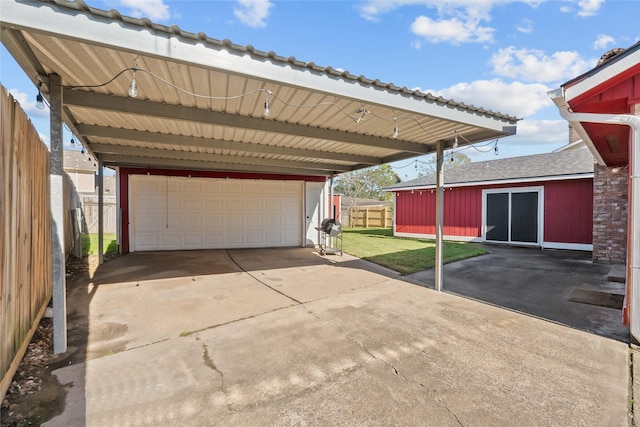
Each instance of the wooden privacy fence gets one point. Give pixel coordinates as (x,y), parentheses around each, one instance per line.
(25,235)
(374,217)
(91,210)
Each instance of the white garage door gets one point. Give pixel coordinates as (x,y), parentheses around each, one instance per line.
(169,213)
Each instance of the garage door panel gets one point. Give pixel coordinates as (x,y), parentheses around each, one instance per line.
(234,238)
(214,240)
(190,186)
(193,205)
(151,221)
(254,222)
(234,205)
(194,240)
(213,205)
(233,187)
(213,223)
(193,222)
(170,241)
(200,213)
(254,205)
(291,238)
(254,238)
(147,240)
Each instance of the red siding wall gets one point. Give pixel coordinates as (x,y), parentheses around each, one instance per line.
(568,211)
(568,207)
(415,211)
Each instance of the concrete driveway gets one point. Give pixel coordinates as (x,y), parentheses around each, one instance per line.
(560,286)
(286,337)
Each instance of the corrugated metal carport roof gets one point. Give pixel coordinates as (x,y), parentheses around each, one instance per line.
(201,101)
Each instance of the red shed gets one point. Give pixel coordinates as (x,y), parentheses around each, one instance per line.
(543,200)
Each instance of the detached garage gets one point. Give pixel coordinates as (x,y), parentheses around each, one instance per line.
(173,210)
(542,200)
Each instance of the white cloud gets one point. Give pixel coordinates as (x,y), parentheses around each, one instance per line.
(454,30)
(603,41)
(27,105)
(585,7)
(535,65)
(253,12)
(589,7)
(525,26)
(517,99)
(457,21)
(155,10)
(541,132)
(371,10)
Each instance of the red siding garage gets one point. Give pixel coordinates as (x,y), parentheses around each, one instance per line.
(552,211)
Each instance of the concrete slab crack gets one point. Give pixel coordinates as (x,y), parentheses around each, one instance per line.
(208,361)
(395,371)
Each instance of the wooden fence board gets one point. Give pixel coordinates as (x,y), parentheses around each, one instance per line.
(371,217)
(25,230)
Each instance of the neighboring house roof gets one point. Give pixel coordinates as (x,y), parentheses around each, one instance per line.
(558,165)
(571,146)
(78,162)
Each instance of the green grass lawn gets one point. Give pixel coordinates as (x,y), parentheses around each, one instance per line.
(90,244)
(403,255)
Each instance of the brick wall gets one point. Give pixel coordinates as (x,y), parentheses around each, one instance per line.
(610,196)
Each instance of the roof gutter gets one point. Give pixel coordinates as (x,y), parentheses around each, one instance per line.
(632,294)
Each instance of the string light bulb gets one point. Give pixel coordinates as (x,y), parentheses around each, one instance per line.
(267,110)
(396,132)
(73,141)
(82,150)
(39,98)
(455,141)
(133,87)
(495,149)
(362,112)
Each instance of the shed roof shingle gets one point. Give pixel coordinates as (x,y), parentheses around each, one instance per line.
(557,164)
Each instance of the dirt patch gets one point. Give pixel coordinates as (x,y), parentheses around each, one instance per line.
(34,395)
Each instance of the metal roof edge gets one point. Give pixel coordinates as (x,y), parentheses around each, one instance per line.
(174,30)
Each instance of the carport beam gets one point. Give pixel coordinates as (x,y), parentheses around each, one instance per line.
(439,215)
(56,172)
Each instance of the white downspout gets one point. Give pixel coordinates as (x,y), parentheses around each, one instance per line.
(633,249)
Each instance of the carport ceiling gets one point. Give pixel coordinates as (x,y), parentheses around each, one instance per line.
(201,101)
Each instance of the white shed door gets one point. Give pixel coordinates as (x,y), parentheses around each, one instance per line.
(169,213)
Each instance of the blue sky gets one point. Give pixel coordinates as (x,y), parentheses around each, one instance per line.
(500,55)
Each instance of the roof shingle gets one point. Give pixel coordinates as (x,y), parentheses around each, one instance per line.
(557,164)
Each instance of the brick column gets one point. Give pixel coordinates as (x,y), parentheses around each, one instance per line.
(610,203)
